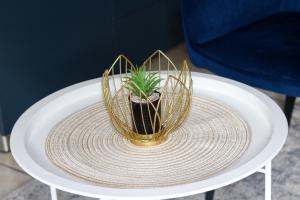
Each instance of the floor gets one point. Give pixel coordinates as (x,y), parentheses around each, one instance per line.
(13,177)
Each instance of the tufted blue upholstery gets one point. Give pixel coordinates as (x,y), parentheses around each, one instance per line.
(255,42)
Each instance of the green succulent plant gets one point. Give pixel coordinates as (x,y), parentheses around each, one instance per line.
(142,83)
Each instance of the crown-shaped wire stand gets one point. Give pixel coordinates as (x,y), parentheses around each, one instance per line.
(147,121)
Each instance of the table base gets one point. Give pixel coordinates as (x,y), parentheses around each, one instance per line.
(267,170)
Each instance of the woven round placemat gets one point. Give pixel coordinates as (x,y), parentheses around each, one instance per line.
(86,145)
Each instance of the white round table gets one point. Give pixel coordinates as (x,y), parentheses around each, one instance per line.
(266,121)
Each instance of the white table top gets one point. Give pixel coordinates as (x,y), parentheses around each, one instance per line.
(267,123)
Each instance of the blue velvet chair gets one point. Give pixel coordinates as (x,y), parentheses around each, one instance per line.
(256,42)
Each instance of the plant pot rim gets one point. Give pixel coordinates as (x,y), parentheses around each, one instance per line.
(153,97)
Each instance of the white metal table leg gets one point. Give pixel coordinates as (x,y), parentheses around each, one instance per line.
(53,193)
(268,181)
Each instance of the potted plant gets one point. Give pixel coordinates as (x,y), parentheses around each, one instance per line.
(144,100)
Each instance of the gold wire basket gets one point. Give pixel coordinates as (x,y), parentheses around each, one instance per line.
(150,122)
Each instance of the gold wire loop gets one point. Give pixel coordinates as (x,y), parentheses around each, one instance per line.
(173,104)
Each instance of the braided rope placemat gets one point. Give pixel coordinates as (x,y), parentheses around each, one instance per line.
(86,145)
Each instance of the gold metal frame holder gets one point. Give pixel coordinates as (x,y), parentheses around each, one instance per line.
(170,110)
